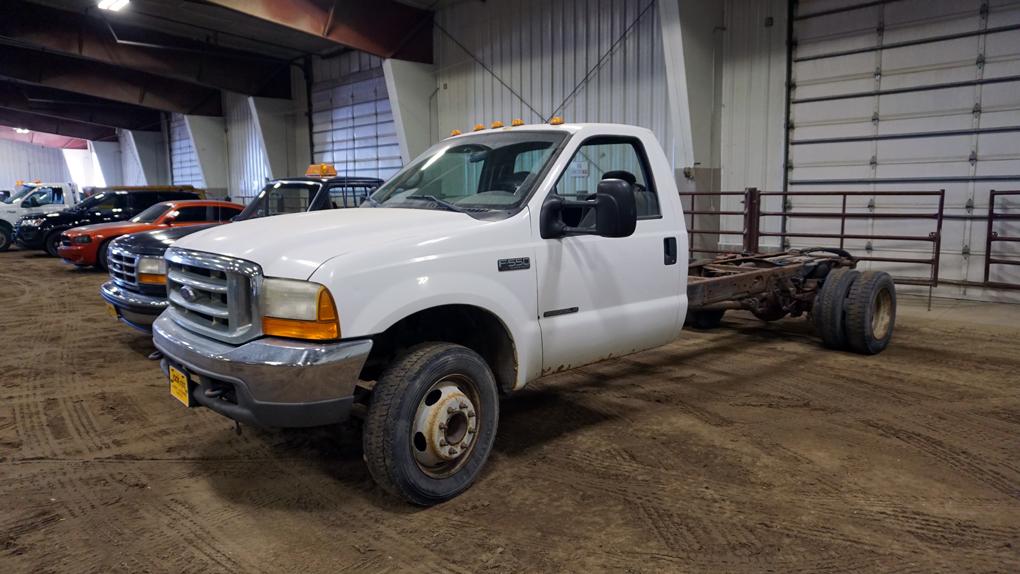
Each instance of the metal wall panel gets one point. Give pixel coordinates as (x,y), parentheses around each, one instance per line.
(131,166)
(184,166)
(753,104)
(27,162)
(882,63)
(248,166)
(352,122)
(539,51)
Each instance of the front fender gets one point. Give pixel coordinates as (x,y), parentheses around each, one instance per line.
(371,306)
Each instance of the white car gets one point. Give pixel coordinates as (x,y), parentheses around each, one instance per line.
(34,199)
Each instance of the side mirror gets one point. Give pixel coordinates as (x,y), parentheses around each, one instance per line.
(615,212)
(615,209)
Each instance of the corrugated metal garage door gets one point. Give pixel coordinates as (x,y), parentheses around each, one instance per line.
(184,165)
(353,128)
(907,95)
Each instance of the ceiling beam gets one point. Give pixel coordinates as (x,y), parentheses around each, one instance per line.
(56,126)
(108,82)
(384,28)
(92,37)
(62,105)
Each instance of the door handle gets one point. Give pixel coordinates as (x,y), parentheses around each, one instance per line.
(669,249)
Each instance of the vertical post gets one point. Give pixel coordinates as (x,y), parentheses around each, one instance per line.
(842,223)
(937,247)
(989,234)
(752,214)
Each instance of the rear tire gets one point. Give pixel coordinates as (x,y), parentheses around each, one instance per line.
(871,313)
(705,320)
(52,243)
(6,237)
(431,423)
(829,310)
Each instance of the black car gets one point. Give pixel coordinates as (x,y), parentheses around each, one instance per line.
(43,231)
(136,291)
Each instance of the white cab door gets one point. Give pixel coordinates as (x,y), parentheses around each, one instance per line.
(600,297)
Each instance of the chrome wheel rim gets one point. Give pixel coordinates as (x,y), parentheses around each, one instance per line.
(446,426)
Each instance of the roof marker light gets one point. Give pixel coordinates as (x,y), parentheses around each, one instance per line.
(496,124)
(517,122)
(479,127)
(556,120)
(454,133)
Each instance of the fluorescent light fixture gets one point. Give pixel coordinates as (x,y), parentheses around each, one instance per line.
(21,130)
(113,5)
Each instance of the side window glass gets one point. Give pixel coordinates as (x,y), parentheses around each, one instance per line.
(347,195)
(606,158)
(57,196)
(38,198)
(193,214)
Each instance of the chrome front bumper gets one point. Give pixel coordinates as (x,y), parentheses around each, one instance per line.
(273,382)
(135,309)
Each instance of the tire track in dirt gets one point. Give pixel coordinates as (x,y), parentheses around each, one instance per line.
(956,459)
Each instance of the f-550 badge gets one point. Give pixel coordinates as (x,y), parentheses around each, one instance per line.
(515,264)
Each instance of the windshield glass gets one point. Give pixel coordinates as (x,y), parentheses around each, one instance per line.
(19,194)
(97,201)
(281,197)
(495,170)
(152,214)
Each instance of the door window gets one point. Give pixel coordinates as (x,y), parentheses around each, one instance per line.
(224,213)
(194,214)
(606,158)
(44,196)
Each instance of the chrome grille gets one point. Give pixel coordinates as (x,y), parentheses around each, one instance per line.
(214,295)
(123,267)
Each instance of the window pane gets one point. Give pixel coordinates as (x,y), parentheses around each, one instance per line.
(600,160)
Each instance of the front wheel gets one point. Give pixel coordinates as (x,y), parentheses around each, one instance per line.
(53,243)
(6,237)
(431,423)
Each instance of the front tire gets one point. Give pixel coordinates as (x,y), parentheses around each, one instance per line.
(431,423)
(52,243)
(6,237)
(102,259)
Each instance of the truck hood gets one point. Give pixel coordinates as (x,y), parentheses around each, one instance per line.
(295,245)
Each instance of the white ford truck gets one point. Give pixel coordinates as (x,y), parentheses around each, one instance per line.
(34,199)
(491,260)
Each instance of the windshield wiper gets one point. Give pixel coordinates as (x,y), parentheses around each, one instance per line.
(440,202)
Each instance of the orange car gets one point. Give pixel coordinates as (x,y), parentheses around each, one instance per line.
(87,245)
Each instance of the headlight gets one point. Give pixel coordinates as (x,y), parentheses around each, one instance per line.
(82,239)
(299,310)
(151,270)
(34,222)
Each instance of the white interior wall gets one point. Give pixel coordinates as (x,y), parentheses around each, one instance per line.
(27,162)
(538,51)
(248,165)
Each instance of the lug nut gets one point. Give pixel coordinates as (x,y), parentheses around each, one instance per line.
(463,405)
(450,410)
(452,451)
(471,414)
(442,426)
(442,442)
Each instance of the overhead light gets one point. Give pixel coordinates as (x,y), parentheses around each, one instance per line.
(20,130)
(113,5)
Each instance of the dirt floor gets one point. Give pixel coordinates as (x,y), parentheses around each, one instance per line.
(746,449)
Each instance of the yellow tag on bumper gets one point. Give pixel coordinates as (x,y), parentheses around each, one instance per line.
(179,386)
(111,310)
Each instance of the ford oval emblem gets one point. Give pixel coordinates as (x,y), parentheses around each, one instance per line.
(189,294)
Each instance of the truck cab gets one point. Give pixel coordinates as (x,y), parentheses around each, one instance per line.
(491,260)
(31,200)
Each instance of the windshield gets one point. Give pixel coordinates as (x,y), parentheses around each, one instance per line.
(488,171)
(25,190)
(281,197)
(152,214)
(105,199)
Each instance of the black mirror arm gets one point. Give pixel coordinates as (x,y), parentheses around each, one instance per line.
(554,227)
